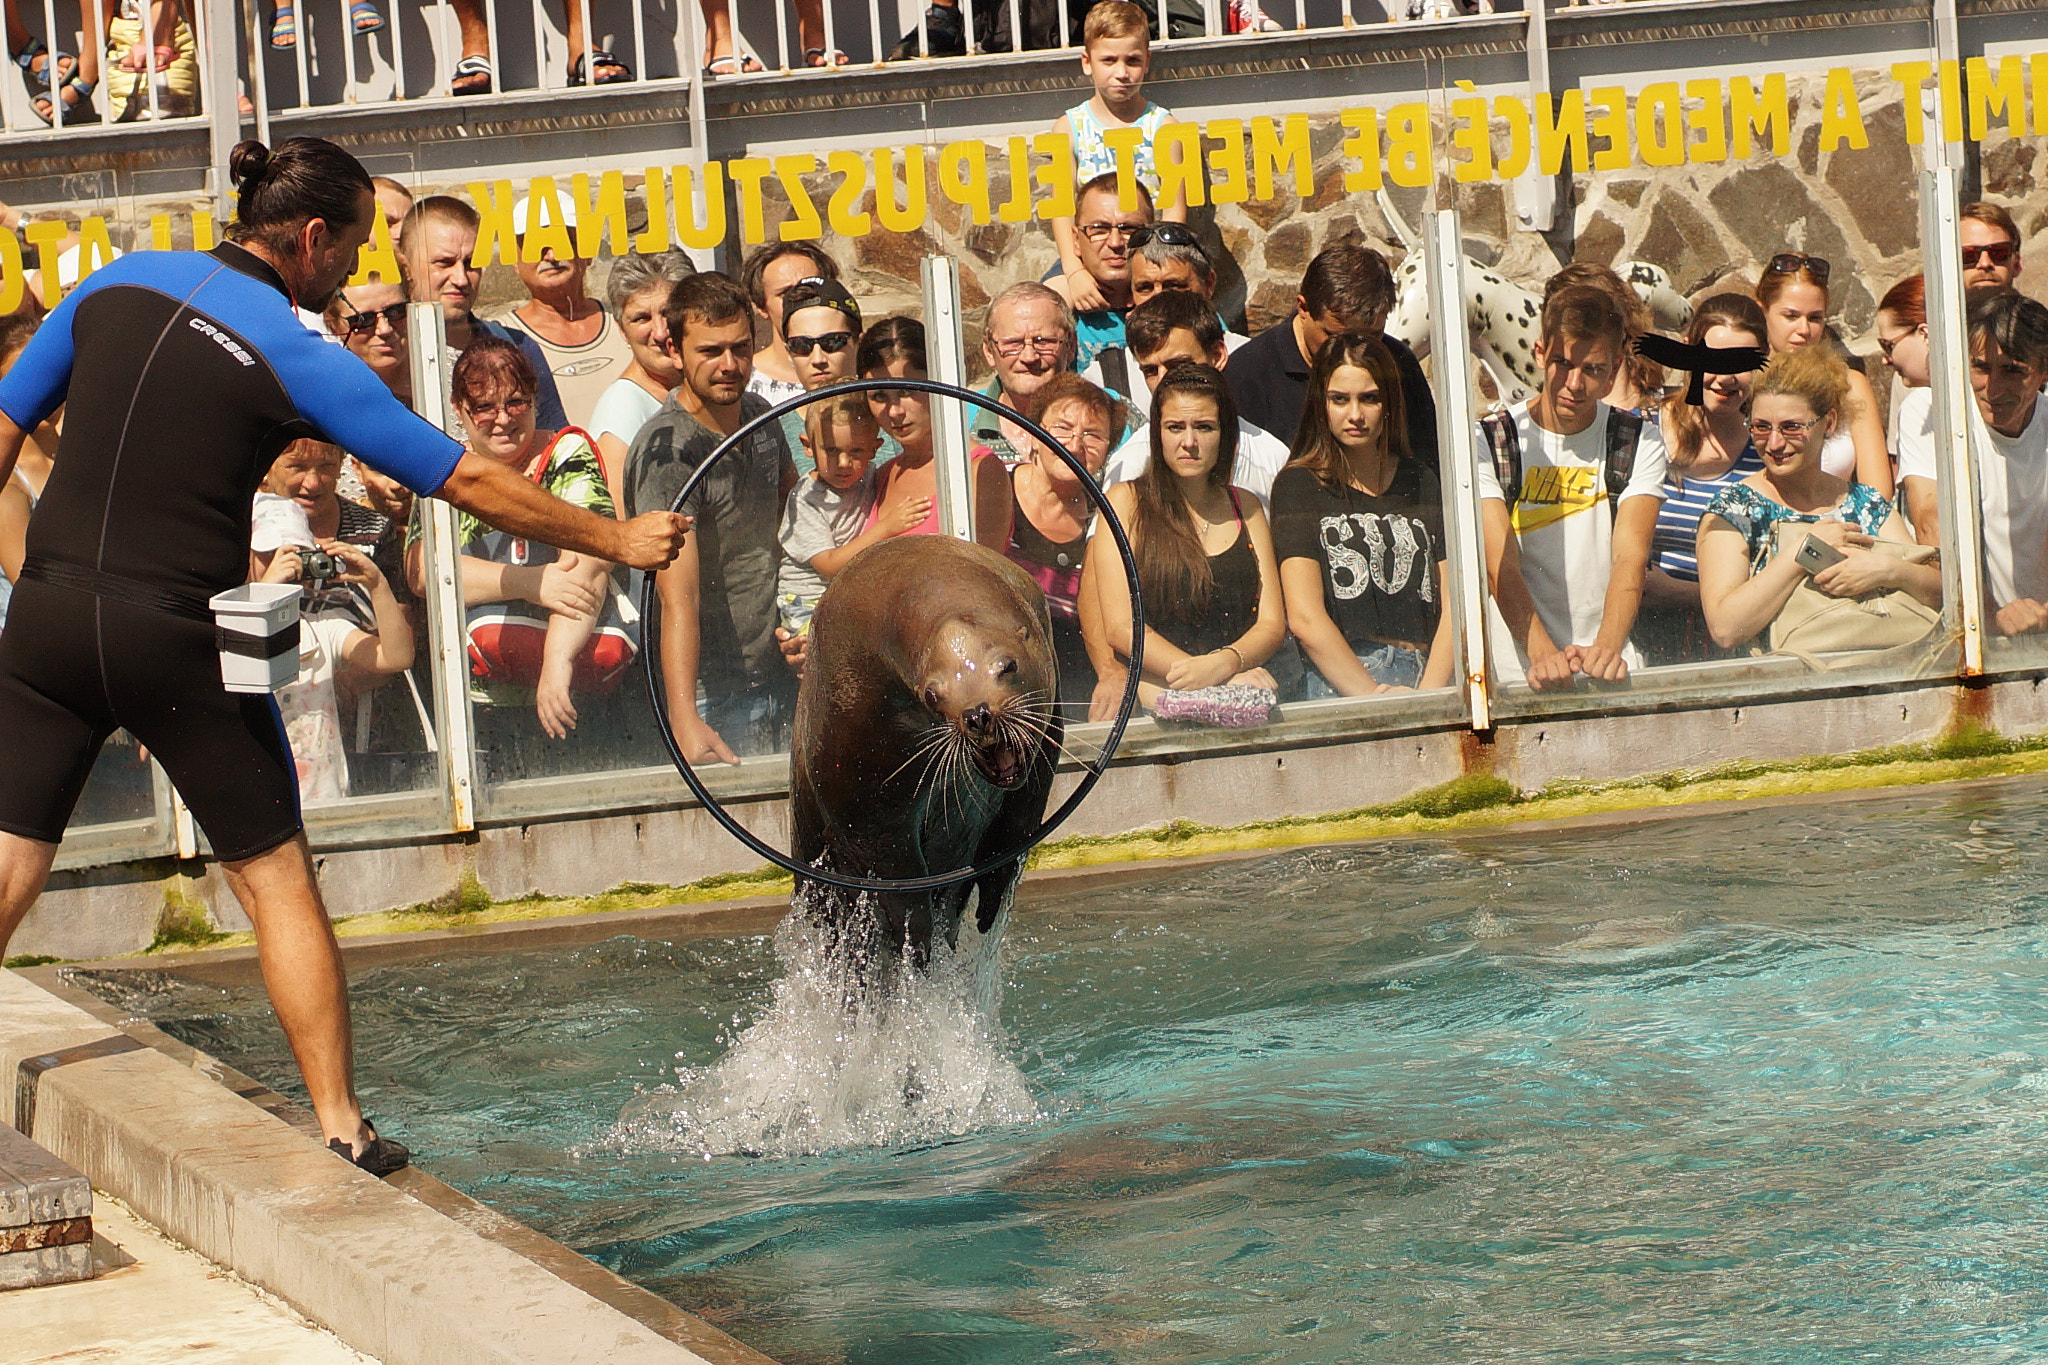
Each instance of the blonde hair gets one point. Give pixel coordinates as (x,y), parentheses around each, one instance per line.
(1115,19)
(850,408)
(1813,374)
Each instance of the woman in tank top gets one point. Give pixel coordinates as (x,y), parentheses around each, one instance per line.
(1050,521)
(1794,294)
(894,349)
(1213,613)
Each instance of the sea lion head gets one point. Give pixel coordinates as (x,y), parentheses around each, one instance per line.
(989,696)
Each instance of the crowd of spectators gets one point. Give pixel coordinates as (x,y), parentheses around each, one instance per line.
(1281,492)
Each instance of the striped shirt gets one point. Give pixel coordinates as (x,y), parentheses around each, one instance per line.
(1674,548)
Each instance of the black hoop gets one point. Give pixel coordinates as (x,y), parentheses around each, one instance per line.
(650,614)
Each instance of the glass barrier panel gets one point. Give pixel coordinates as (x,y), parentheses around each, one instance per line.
(1731,498)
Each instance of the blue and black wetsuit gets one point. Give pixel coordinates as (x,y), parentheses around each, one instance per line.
(183,375)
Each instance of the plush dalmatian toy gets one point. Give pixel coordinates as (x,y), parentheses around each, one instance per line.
(1504,316)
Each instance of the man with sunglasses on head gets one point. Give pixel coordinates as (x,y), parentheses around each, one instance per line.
(821,331)
(1991,247)
(1103,230)
(1165,258)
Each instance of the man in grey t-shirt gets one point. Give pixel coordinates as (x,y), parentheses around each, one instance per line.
(728,690)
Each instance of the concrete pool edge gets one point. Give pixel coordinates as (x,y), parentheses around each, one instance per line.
(410,1271)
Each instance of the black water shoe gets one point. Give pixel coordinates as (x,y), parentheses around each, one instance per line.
(380,1156)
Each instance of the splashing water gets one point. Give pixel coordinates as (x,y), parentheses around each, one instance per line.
(908,1058)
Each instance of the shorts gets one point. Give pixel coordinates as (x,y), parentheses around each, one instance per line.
(1388,665)
(76,667)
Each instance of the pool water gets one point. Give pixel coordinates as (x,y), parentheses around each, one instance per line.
(1761,1086)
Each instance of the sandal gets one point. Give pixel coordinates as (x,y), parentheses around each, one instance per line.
(474,69)
(365,17)
(380,1156)
(32,76)
(822,57)
(609,69)
(732,66)
(284,28)
(78,110)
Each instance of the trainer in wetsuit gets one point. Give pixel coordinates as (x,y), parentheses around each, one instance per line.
(185,374)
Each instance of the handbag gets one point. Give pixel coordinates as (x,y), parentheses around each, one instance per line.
(1811,622)
(506,640)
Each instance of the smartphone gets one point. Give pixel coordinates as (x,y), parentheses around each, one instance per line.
(1816,554)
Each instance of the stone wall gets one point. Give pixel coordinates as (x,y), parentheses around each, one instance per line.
(1711,225)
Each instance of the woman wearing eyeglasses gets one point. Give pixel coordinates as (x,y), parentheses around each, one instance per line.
(1798,403)
(1902,336)
(1794,294)
(1049,527)
(894,349)
(541,621)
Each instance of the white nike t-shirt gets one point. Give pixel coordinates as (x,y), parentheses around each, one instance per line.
(2012,492)
(1563,525)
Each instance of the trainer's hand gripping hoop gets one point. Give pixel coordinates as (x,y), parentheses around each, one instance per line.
(651,614)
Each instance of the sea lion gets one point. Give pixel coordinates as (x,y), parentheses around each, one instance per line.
(926,738)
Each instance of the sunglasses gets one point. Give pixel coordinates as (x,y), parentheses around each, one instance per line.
(393,313)
(1887,346)
(1172,234)
(832,343)
(1998,253)
(1787,262)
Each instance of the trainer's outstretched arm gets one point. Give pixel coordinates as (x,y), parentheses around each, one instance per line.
(11,437)
(511,502)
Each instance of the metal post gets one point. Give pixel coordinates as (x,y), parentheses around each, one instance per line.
(693,71)
(1450,348)
(1535,192)
(1947,48)
(259,80)
(50,82)
(217,88)
(946,360)
(304,30)
(1955,409)
(428,336)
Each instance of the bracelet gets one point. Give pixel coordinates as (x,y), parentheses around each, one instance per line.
(1233,654)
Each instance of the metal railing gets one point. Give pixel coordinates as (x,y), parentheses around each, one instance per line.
(411,56)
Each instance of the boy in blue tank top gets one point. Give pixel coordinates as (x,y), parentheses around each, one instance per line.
(1116,54)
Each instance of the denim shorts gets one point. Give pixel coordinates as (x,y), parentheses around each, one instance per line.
(752,722)
(1391,665)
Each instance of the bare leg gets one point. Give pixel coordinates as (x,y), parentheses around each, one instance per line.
(24,867)
(810,28)
(719,44)
(302,971)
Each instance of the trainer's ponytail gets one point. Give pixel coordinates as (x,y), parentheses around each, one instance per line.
(277,190)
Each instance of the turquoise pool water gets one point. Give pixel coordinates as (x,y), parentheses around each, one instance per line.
(1760,1087)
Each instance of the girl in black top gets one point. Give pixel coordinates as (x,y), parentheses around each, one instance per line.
(1358,528)
(1205,563)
